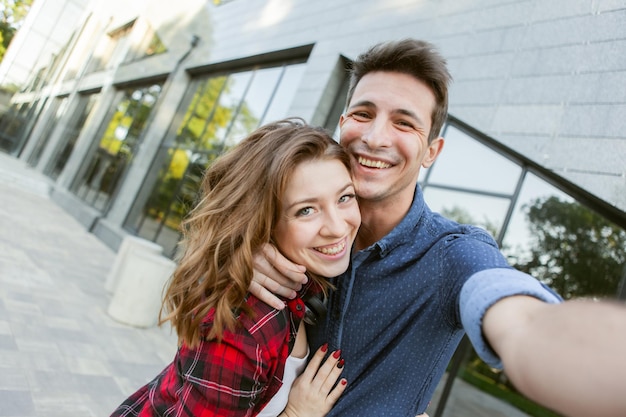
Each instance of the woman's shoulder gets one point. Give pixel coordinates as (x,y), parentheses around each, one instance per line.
(264,323)
(264,329)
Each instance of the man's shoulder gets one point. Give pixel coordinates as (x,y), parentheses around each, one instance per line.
(445,228)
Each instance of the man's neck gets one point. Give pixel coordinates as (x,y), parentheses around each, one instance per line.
(378,218)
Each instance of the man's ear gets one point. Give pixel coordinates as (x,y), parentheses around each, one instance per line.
(433,151)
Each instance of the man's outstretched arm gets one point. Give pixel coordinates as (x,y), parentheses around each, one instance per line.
(570,357)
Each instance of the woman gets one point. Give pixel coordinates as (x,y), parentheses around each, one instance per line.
(289,184)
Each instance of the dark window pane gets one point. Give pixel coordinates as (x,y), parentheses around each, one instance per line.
(117,145)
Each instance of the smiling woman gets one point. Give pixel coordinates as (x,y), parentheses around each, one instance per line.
(286,183)
(319,219)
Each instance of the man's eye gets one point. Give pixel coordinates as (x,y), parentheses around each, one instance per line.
(306,211)
(360,116)
(404,123)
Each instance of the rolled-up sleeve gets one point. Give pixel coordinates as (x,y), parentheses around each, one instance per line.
(485,288)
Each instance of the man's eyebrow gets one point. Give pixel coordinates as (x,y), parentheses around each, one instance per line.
(411,115)
(363,103)
(404,112)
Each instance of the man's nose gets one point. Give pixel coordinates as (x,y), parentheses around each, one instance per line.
(377,134)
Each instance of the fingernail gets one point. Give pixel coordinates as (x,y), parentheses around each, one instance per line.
(337,354)
(324,347)
(341,363)
(344,382)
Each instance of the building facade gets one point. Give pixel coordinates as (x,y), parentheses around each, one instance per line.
(124,104)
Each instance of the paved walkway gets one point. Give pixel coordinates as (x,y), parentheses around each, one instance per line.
(60,353)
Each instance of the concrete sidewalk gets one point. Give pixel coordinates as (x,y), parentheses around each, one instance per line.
(61,354)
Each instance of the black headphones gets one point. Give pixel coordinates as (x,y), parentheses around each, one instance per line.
(314,308)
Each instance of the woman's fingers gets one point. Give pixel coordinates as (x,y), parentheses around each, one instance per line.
(318,388)
(314,364)
(336,392)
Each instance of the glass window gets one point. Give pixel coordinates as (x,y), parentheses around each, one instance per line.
(219,111)
(481,210)
(58,107)
(16,125)
(12,124)
(71,132)
(110,50)
(151,44)
(461,183)
(466,163)
(117,145)
(565,244)
(284,92)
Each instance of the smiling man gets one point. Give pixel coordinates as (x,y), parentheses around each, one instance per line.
(418,282)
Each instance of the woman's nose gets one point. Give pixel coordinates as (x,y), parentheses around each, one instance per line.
(334,224)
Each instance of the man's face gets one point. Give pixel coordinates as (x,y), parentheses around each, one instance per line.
(385,129)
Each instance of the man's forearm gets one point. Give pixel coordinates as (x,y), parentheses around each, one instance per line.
(570,357)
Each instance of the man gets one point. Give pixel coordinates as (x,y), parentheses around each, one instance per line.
(418,281)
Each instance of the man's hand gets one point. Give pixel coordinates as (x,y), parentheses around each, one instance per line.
(315,392)
(275,274)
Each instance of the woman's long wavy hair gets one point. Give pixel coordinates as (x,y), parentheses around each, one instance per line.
(240,204)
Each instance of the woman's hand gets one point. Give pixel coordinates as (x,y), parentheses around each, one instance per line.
(315,392)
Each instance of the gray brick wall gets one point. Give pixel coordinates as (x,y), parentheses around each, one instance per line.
(545,77)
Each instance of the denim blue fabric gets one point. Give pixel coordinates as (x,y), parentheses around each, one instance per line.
(482,290)
(396,312)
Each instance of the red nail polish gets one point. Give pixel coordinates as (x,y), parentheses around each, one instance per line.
(341,363)
(344,382)
(337,354)
(324,347)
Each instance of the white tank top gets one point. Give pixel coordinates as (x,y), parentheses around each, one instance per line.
(293,368)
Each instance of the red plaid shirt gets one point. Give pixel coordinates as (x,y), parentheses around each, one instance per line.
(236,377)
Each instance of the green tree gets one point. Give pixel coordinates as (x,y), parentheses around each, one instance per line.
(575,251)
(12,14)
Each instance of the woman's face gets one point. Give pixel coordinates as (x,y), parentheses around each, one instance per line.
(319,217)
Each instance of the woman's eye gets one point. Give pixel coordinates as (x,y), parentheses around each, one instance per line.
(306,211)
(346,197)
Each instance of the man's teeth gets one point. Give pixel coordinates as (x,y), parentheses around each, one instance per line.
(332,250)
(373,164)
